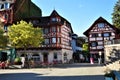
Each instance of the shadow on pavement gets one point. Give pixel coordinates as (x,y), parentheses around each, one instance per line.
(32,76)
(75,65)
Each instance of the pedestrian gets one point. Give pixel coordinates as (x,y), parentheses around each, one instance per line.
(99,60)
(91,60)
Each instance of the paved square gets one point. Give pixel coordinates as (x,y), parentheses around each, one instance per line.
(70,72)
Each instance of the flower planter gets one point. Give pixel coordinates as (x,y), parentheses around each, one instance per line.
(18,63)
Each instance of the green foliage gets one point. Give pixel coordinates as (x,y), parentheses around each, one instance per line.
(24,35)
(80,41)
(116,15)
(85,47)
(17,59)
(3,39)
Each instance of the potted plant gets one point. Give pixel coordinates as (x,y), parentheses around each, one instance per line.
(17,61)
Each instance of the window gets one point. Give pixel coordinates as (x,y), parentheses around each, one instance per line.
(46,41)
(58,40)
(106,34)
(35,21)
(69,43)
(7,5)
(95,35)
(46,30)
(94,44)
(58,29)
(65,57)
(100,25)
(53,29)
(53,40)
(99,35)
(36,57)
(54,19)
(0,6)
(100,42)
(55,55)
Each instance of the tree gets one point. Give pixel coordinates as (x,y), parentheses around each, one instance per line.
(86,51)
(80,41)
(24,35)
(85,47)
(116,15)
(3,39)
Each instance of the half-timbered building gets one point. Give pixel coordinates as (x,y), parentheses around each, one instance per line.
(100,32)
(57,38)
(6,13)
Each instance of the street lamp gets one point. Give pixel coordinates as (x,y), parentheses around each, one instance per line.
(99,60)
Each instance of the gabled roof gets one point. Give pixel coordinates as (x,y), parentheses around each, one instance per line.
(99,20)
(45,20)
(54,13)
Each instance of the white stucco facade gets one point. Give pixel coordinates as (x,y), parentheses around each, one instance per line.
(63,55)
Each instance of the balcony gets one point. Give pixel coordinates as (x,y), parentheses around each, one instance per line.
(51,46)
(110,42)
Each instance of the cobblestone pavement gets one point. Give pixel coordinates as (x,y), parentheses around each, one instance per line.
(65,72)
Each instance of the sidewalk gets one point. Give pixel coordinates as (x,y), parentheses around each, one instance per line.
(77,65)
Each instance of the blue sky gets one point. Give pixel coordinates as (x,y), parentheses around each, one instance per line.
(80,13)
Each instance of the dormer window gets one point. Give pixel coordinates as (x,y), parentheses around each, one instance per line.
(100,25)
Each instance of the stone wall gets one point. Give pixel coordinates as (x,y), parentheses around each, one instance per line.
(112,52)
(112,56)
